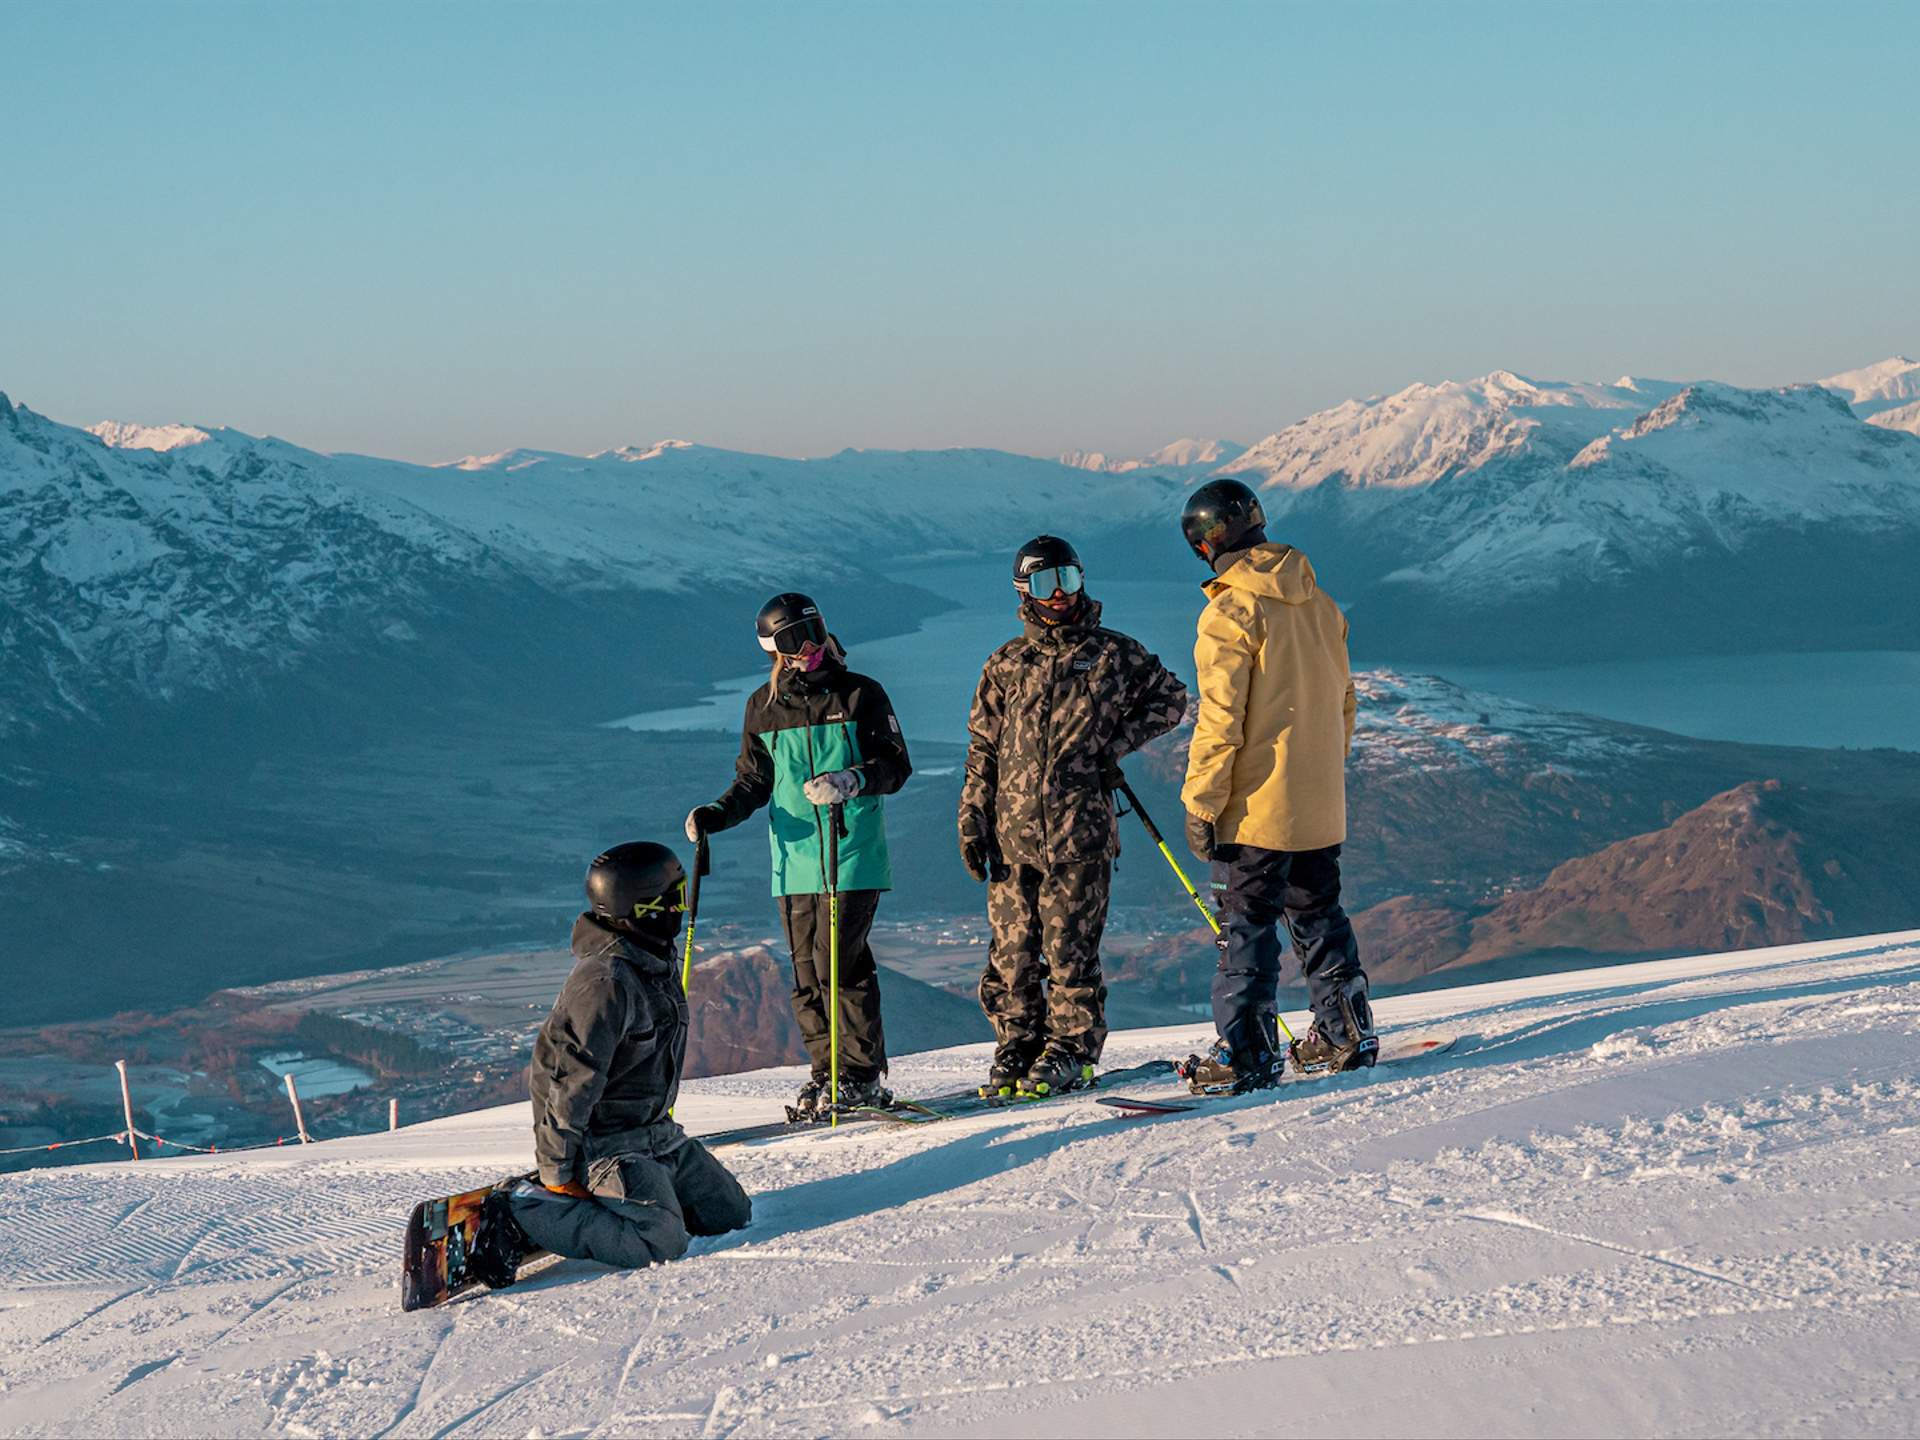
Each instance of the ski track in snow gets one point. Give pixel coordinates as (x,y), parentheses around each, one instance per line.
(1678,1198)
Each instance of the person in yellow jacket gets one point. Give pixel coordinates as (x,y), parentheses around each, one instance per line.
(1265,796)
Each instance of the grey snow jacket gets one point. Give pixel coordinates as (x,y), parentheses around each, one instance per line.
(606,1065)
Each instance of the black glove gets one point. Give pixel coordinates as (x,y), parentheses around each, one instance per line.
(1200,836)
(703,820)
(981,855)
(1112,776)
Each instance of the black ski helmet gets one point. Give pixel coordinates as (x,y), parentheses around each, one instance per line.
(1220,516)
(639,884)
(1043,552)
(787,621)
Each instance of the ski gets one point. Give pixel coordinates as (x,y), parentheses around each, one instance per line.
(1394,1050)
(950,1106)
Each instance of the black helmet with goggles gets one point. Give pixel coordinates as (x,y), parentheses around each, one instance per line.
(788,623)
(1048,566)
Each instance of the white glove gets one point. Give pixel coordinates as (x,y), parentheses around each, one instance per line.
(833,789)
(700,820)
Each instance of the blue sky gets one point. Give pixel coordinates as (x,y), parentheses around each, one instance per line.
(425,230)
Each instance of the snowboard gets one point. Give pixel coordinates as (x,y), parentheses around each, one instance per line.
(439,1236)
(1394,1050)
(950,1106)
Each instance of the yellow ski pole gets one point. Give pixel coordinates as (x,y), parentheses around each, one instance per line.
(1153,831)
(833,966)
(701,864)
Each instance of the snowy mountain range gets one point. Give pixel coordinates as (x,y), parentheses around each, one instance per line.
(1497,519)
(173,562)
(1554,521)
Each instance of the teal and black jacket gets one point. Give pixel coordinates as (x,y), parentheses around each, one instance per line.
(799,726)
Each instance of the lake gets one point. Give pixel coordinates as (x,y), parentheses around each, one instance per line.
(1856,698)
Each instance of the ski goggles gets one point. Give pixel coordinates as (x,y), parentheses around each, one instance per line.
(672,903)
(1052,581)
(796,637)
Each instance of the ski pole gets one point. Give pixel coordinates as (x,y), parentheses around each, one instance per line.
(834,831)
(702,862)
(1153,831)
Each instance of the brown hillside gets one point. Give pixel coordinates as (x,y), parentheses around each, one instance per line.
(742,1014)
(1760,864)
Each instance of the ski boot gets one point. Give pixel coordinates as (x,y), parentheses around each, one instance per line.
(499,1244)
(1010,1065)
(860,1095)
(1217,1073)
(1054,1073)
(810,1103)
(1348,1044)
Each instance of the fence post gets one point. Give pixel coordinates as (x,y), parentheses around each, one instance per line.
(393,1114)
(299,1122)
(126,1106)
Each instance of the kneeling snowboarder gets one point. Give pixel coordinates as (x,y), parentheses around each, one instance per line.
(619,1181)
(1053,713)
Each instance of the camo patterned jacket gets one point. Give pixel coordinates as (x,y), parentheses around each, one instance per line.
(1053,709)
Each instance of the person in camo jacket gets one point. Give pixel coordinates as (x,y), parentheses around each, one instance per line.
(1053,713)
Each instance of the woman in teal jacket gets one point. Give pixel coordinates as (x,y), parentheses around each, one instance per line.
(817,735)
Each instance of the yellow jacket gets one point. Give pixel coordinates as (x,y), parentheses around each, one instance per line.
(1268,760)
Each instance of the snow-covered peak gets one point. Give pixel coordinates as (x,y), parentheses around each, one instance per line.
(510,460)
(1176,455)
(126,435)
(1893,381)
(1424,433)
(1900,417)
(635,454)
(1188,451)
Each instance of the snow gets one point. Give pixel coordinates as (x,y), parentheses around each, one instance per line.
(1900,417)
(1424,433)
(1892,381)
(1408,723)
(124,435)
(1680,1197)
(1181,454)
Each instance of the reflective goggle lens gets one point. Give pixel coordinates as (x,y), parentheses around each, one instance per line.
(1057,580)
(796,637)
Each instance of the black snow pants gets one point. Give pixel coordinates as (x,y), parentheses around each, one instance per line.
(1255,889)
(863,1041)
(647,1204)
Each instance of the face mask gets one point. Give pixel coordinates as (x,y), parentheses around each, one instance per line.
(808,661)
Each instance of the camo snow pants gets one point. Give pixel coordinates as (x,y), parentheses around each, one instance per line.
(1047,925)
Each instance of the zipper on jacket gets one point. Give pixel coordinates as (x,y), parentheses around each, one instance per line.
(819,831)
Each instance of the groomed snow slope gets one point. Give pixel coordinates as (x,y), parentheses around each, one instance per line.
(1672,1198)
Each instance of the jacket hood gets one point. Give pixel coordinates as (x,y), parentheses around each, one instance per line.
(593,937)
(1276,570)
